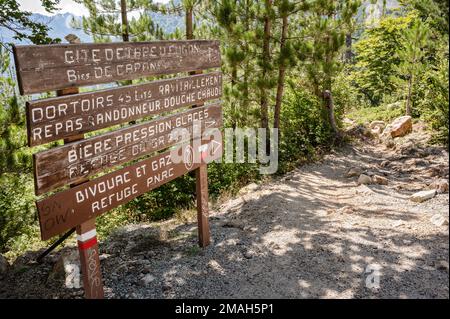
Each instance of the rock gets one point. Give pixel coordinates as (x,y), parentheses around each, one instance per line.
(385,163)
(399,127)
(380,180)
(67,269)
(441,186)
(364,180)
(438,220)
(422,196)
(148,278)
(442,265)
(345,210)
(353,172)
(4,265)
(398,223)
(376,124)
(248,189)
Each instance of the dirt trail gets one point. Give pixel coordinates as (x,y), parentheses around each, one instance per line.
(310,234)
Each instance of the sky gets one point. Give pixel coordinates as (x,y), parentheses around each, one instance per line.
(65,6)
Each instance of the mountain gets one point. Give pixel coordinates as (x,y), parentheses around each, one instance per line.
(59,27)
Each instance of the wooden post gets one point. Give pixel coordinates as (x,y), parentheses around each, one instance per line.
(87,238)
(201,177)
(201,173)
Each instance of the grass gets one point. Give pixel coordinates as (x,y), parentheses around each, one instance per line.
(380,113)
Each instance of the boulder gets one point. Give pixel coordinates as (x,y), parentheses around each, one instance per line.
(399,127)
(4,265)
(380,180)
(67,269)
(364,179)
(438,220)
(353,172)
(422,196)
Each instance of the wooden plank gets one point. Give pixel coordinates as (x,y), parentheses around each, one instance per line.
(43,68)
(56,118)
(66,209)
(66,164)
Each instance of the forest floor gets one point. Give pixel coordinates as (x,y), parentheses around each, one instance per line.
(312,233)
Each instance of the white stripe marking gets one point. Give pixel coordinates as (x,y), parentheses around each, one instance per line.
(87,235)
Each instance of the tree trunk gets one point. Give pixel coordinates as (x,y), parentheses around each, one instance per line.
(408,98)
(348,44)
(189,24)
(123,11)
(266,55)
(233,103)
(281,75)
(328,98)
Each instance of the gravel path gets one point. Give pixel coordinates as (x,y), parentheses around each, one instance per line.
(311,234)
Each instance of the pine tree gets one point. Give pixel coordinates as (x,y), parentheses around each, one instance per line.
(108,20)
(411,55)
(325,24)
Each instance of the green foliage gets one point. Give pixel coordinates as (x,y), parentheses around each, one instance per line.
(19,22)
(17,208)
(376,58)
(303,131)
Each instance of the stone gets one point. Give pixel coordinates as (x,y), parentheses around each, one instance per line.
(148,278)
(442,265)
(399,127)
(353,172)
(422,196)
(439,220)
(4,265)
(67,269)
(375,124)
(385,163)
(364,179)
(380,180)
(441,186)
(248,189)
(398,223)
(345,210)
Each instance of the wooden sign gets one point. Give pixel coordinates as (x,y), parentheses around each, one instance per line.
(57,118)
(43,68)
(69,208)
(193,134)
(69,163)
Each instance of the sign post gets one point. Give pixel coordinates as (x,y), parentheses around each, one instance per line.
(128,153)
(86,237)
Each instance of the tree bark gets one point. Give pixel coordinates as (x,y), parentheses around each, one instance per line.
(189,24)
(348,44)
(266,55)
(328,98)
(408,98)
(281,75)
(123,11)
